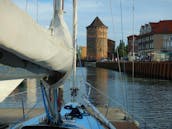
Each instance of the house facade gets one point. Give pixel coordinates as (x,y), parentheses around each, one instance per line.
(155,40)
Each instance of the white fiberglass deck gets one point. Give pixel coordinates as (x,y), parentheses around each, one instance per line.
(85,122)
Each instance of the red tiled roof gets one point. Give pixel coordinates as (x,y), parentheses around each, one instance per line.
(162,27)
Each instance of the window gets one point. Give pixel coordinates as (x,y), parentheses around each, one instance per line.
(170,38)
(165,37)
(148,28)
(152,45)
(170,43)
(165,44)
(151,37)
(147,38)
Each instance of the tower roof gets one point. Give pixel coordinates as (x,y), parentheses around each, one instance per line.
(97,23)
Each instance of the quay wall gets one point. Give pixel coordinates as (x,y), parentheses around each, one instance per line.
(160,70)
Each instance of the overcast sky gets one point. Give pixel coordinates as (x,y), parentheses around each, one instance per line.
(145,11)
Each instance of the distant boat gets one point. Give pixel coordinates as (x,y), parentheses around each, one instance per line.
(46,54)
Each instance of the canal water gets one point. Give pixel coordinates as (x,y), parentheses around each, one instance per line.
(147,101)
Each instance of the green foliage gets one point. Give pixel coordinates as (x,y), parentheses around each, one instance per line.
(122,49)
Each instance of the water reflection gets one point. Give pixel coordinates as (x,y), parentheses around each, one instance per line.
(150,101)
(80,83)
(99,79)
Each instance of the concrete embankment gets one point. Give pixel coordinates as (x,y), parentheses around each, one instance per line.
(160,70)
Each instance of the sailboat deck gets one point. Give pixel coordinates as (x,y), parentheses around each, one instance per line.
(83,120)
(11,115)
(42,127)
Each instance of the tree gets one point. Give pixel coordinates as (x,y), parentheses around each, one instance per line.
(122,49)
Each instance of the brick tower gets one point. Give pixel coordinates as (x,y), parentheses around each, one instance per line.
(97,40)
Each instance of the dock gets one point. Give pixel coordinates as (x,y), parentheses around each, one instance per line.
(153,69)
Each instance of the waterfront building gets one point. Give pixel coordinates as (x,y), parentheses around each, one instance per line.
(155,40)
(131,39)
(111,49)
(83,52)
(97,47)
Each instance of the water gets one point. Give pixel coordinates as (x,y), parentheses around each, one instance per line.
(148,101)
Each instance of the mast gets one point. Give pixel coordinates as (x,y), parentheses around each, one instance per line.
(133,40)
(133,54)
(58,6)
(26,6)
(75,18)
(53,92)
(57,11)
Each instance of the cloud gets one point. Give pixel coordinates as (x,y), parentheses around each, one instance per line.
(87,6)
(45,9)
(145,11)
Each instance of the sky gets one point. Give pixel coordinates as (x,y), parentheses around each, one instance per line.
(109,11)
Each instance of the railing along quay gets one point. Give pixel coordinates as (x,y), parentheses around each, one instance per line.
(160,70)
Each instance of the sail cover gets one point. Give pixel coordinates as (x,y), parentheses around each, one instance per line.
(23,37)
(28,50)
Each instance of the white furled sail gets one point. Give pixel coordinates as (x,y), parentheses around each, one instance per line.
(23,37)
(58,27)
(29,51)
